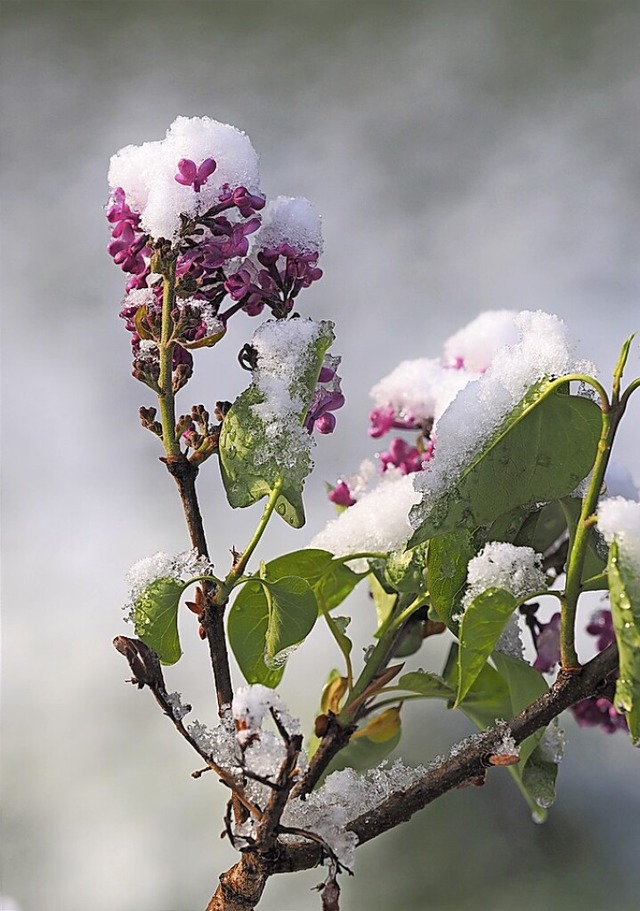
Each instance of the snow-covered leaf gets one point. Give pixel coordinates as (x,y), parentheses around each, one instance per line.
(155,617)
(540,452)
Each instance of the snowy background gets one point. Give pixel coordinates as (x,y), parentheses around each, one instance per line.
(465,156)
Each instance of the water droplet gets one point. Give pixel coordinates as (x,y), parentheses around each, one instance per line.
(231,452)
(281,509)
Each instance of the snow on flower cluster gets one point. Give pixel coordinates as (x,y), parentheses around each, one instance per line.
(293,221)
(379,522)
(543,349)
(195,197)
(455,402)
(147,173)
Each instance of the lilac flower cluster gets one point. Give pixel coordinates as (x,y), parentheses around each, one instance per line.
(128,245)
(284,273)
(195,198)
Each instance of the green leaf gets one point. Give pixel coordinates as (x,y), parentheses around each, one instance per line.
(155,617)
(411,639)
(624,594)
(427,684)
(542,528)
(339,627)
(487,699)
(385,601)
(447,560)
(539,783)
(247,630)
(330,579)
(266,622)
(480,628)
(540,452)
(257,455)
(363,753)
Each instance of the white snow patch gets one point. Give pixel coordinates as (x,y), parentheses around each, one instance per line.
(619,520)
(517,570)
(147,173)
(378,522)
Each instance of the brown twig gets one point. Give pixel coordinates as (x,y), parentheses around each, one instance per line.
(147,671)
(184,474)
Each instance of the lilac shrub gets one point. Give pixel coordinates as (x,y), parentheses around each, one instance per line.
(493,498)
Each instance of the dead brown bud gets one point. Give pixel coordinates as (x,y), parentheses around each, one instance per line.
(143,661)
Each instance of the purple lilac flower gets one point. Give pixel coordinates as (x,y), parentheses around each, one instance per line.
(547,642)
(599,713)
(247,203)
(326,399)
(285,273)
(403,456)
(341,495)
(383,419)
(192,175)
(601,625)
(128,243)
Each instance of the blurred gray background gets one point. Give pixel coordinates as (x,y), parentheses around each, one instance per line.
(465,156)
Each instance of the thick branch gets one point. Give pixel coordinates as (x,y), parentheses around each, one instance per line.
(472,762)
(184,474)
(242,886)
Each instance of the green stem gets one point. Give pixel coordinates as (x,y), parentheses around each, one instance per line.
(394,700)
(166,399)
(239,567)
(398,621)
(362,555)
(578,547)
(589,381)
(633,386)
(209,578)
